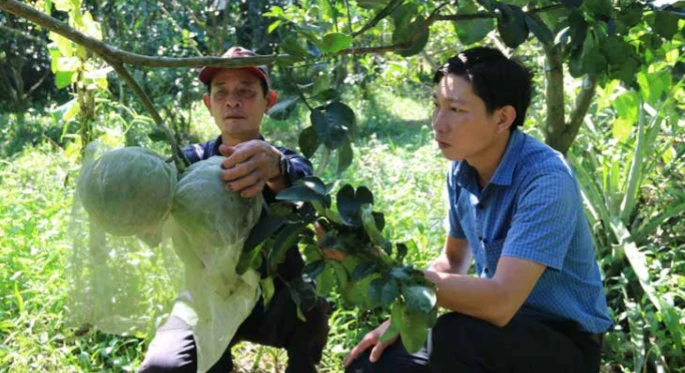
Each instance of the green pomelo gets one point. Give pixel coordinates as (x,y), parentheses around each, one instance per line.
(128,191)
(210,213)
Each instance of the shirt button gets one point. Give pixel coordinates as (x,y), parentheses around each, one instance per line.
(480,238)
(486,270)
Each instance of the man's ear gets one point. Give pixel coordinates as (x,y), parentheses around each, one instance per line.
(271,99)
(208,101)
(505,118)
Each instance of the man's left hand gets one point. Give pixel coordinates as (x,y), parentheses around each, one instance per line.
(249,166)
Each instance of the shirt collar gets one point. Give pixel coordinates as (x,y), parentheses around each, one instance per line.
(463,172)
(505,169)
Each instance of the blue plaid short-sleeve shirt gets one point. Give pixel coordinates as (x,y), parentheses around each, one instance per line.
(531,209)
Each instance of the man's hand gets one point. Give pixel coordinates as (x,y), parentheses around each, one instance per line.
(371,339)
(249,166)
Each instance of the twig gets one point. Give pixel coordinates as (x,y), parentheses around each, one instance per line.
(483,15)
(583,101)
(23,34)
(379,16)
(176,153)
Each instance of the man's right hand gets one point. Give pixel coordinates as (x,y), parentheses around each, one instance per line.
(371,339)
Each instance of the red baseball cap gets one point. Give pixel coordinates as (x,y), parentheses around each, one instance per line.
(261,71)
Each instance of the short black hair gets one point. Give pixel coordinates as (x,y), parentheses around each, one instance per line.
(262,82)
(496,79)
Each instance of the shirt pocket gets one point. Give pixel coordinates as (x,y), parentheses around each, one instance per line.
(493,252)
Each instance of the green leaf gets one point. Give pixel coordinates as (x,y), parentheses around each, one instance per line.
(372,4)
(300,193)
(472,31)
(653,85)
(63,5)
(399,273)
(629,17)
(335,41)
(274,25)
(356,293)
(372,230)
(363,270)
(350,201)
(419,298)
(413,330)
(665,24)
(63,44)
(600,7)
(389,293)
(401,252)
(330,134)
(314,269)
(617,50)
(157,134)
(250,259)
(350,263)
(539,29)
(322,82)
(268,289)
(68,64)
(285,239)
(326,280)
(511,24)
(621,129)
(345,155)
(341,275)
(578,28)
(573,4)
(63,79)
(627,106)
(342,116)
(328,94)
(593,60)
(312,252)
(303,294)
(415,33)
(282,109)
(293,47)
(410,27)
(393,331)
(309,141)
(375,291)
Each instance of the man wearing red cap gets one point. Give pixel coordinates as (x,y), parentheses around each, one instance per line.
(237,99)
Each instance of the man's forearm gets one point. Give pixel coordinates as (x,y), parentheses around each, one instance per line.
(454,265)
(477,297)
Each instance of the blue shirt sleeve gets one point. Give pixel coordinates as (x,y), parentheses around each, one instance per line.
(453,226)
(544,221)
(298,166)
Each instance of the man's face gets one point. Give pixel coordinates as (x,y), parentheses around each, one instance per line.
(461,125)
(237,103)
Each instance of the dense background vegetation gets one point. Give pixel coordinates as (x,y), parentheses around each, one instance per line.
(608,94)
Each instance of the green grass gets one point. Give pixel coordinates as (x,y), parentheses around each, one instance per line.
(394,156)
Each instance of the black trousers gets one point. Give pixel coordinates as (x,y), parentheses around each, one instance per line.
(463,344)
(173,348)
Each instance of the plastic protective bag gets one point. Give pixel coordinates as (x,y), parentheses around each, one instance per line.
(125,280)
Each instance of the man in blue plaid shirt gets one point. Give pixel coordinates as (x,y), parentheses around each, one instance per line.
(536,303)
